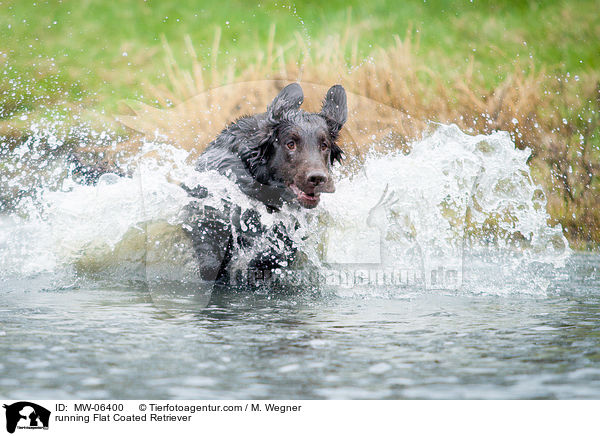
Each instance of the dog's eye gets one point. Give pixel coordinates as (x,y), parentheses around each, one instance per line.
(291,145)
(324,146)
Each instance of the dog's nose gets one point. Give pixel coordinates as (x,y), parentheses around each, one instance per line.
(316,178)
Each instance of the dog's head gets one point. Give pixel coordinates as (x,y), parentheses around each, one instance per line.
(298,148)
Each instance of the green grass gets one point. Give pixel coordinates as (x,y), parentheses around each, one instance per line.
(74,51)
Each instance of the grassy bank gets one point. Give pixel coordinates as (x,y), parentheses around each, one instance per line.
(99,52)
(528,68)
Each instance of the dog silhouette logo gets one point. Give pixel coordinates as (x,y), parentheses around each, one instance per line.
(26,415)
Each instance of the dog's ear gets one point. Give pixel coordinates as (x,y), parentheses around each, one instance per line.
(335,109)
(290,97)
(256,152)
(258,165)
(336,154)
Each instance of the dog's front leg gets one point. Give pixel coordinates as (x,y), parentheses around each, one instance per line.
(210,232)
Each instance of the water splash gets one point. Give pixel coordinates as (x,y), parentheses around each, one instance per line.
(445,214)
(455,211)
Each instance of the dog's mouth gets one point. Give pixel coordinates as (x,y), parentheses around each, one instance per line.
(307,200)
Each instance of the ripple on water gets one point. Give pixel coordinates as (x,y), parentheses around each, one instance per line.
(380,368)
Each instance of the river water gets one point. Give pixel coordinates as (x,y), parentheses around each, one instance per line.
(439,277)
(98,342)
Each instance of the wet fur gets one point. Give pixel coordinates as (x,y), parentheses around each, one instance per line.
(252,151)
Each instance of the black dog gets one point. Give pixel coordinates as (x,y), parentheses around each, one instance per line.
(281,156)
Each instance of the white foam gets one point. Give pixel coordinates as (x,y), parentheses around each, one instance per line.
(452,201)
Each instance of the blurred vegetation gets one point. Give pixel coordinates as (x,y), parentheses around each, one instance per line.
(466,62)
(100,52)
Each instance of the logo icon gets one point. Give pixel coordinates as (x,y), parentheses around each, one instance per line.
(26,415)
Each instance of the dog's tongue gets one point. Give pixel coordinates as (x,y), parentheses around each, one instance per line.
(296,190)
(303,195)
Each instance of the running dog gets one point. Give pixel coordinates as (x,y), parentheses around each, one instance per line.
(284,155)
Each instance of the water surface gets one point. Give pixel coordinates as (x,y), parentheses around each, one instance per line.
(90,341)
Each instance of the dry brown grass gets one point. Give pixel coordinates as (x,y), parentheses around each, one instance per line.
(393,94)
